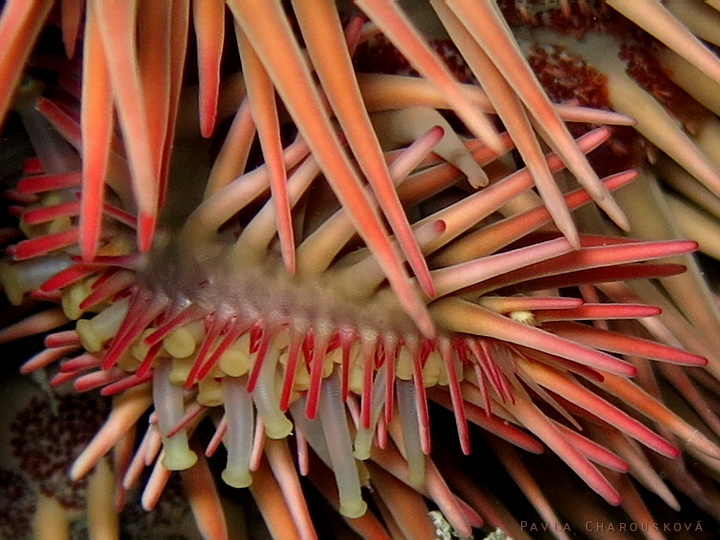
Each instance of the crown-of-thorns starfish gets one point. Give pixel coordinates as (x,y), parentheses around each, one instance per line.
(282,309)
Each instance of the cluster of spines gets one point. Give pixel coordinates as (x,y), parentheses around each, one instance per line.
(486,361)
(76,272)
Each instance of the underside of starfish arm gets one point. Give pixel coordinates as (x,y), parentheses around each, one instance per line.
(270,34)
